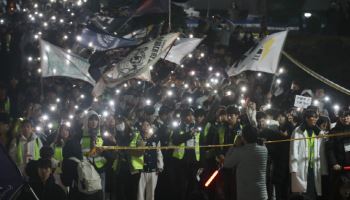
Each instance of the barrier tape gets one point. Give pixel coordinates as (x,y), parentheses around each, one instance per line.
(115,148)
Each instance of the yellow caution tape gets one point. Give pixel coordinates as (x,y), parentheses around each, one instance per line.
(116,148)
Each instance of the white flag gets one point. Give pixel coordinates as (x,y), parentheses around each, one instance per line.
(57,62)
(182,48)
(264,57)
(136,64)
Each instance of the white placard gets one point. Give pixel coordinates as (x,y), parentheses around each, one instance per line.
(302,102)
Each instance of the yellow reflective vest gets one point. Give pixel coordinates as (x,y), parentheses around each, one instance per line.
(86,145)
(179,153)
(136,161)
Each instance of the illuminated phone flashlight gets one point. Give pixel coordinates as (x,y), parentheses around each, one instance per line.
(117,91)
(316,102)
(281,71)
(207,85)
(71,116)
(125,85)
(192,73)
(199,128)
(38,128)
(336,107)
(268,106)
(189,99)
(210,68)
(45,117)
(169,93)
(182,66)
(111,103)
(326,98)
(148,102)
(86,112)
(298,109)
(53,108)
(82,96)
(139,82)
(228,93)
(50,125)
(191,36)
(106,134)
(78,38)
(58,100)
(242,101)
(217,74)
(68,124)
(151,131)
(172,85)
(278,81)
(259,74)
(178,115)
(105,113)
(175,124)
(190,55)
(76,107)
(151,67)
(243,89)
(202,55)
(268,122)
(186,85)
(215,91)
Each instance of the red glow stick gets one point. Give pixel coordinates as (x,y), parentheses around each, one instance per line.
(211,178)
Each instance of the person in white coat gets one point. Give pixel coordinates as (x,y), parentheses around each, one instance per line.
(307,157)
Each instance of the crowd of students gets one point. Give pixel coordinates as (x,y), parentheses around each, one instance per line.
(66,135)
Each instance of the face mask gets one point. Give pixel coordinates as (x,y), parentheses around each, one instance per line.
(120,127)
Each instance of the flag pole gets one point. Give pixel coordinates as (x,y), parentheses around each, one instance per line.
(169,25)
(275,74)
(41,89)
(208,8)
(125,23)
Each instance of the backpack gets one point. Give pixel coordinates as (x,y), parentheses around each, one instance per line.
(89,181)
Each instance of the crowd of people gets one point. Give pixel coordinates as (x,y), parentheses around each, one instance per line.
(50,140)
(154,140)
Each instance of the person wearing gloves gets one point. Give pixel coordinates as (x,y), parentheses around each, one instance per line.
(307,157)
